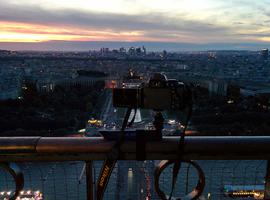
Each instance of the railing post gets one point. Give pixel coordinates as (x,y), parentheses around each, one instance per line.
(89,180)
(267,182)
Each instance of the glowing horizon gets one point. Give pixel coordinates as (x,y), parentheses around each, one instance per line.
(190,21)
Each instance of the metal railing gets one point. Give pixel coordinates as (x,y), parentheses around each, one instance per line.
(250,149)
(96,148)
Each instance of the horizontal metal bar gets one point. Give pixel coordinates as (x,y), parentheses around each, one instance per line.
(96,148)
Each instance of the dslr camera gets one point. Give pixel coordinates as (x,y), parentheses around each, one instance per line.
(159,93)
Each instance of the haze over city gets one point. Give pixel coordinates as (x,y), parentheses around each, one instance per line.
(172,25)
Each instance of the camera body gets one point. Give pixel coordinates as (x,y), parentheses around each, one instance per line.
(159,93)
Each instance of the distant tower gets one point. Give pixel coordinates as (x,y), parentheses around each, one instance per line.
(132,51)
(164,54)
(264,54)
(138,51)
(122,50)
(144,50)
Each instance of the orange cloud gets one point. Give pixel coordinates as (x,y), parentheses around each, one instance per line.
(24,32)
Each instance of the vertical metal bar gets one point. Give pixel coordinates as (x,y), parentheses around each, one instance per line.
(267,182)
(187,178)
(89,180)
(78,184)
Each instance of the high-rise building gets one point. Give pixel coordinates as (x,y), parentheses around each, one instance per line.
(138,51)
(144,50)
(122,50)
(132,51)
(264,53)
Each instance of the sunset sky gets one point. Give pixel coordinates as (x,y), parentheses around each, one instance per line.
(173,21)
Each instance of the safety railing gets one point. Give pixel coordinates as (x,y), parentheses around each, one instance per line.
(54,166)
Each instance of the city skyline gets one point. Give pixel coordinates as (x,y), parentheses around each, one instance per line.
(197,24)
